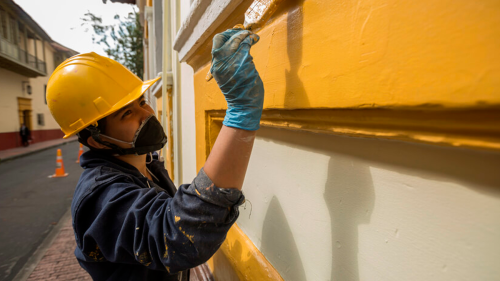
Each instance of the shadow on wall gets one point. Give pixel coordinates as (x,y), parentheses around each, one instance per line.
(349,196)
(349,192)
(474,169)
(278,241)
(295,93)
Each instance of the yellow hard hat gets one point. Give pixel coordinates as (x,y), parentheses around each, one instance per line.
(89,87)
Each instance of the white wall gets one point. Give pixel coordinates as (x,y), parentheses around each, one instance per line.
(187,120)
(336,208)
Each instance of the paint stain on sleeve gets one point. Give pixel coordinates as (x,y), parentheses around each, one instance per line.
(189,237)
(96,255)
(165,255)
(144,258)
(177,218)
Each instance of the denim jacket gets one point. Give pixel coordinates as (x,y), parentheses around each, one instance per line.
(128,227)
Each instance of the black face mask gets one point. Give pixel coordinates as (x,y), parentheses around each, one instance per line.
(148,138)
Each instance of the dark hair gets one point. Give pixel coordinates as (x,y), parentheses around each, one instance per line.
(84,134)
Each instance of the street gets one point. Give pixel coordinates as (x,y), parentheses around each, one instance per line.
(31,204)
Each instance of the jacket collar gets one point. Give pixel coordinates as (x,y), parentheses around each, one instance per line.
(93,159)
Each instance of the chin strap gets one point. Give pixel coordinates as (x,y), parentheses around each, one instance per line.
(96,135)
(115,149)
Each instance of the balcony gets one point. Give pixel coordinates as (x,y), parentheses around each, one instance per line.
(15,59)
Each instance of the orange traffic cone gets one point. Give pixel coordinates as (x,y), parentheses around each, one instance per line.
(59,166)
(80,152)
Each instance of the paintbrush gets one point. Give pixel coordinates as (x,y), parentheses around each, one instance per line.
(257,15)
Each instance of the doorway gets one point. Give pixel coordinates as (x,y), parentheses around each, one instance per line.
(25,112)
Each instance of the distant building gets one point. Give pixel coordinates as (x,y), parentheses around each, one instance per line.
(28,56)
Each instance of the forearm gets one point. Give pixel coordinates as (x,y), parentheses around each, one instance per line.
(243,90)
(227,163)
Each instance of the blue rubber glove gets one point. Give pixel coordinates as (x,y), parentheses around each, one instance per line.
(239,81)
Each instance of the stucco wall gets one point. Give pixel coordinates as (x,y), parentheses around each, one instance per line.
(11,89)
(188,125)
(322,207)
(337,208)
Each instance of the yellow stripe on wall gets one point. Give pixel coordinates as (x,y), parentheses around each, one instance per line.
(245,259)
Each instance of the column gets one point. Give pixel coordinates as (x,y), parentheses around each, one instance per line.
(44,59)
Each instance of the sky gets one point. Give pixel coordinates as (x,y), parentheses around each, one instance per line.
(61,20)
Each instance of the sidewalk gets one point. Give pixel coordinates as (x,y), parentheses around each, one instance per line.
(59,262)
(13,153)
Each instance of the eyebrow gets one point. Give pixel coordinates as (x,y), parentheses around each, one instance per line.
(125,108)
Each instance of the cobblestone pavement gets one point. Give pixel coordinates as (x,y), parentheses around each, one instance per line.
(59,262)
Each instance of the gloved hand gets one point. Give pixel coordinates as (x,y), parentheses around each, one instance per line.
(239,81)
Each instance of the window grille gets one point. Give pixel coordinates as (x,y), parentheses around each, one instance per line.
(3,22)
(13,31)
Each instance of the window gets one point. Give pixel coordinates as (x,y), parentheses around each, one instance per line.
(58,59)
(3,23)
(13,30)
(41,120)
(45,94)
(19,35)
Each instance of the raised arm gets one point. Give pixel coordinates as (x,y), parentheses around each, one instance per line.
(239,81)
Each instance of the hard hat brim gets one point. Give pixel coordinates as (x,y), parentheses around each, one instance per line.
(134,95)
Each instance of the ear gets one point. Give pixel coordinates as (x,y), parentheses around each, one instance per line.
(95,144)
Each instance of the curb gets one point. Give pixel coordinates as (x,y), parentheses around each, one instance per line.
(39,253)
(34,151)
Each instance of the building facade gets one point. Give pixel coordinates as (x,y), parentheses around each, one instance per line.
(379,147)
(27,58)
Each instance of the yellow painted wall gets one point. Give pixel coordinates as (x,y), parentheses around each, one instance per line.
(377,53)
(430,55)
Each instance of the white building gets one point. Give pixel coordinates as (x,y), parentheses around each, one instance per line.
(28,56)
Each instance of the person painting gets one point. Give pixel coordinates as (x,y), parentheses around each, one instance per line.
(130,221)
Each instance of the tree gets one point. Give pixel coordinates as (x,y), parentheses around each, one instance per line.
(126,36)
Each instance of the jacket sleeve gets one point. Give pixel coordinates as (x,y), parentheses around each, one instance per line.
(120,222)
